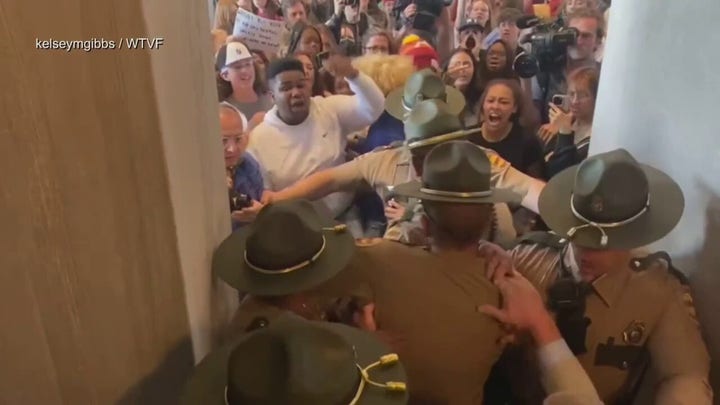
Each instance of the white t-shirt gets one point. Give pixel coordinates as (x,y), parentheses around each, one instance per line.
(288,153)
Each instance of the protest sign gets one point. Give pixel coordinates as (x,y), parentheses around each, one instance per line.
(257,32)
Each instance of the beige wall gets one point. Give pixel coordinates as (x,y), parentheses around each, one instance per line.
(112,198)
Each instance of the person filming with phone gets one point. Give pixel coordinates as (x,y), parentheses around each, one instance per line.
(589,25)
(244,178)
(567,136)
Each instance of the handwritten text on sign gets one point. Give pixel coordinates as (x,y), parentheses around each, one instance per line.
(257,32)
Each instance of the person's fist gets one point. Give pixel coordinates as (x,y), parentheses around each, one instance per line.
(338,65)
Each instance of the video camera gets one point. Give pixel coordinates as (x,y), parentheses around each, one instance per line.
(549,43)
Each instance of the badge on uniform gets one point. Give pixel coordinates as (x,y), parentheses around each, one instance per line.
(634,333)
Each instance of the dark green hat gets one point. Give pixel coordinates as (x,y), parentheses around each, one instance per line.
(432,122)
(456,172)
(299,362)
(289,248)
(610,201)
(423,85)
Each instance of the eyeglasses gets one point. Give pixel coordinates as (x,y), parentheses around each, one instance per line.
(580,95)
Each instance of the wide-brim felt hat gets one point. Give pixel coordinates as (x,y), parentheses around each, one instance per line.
(207,385)
(423,85)
(456,172)
(432,122)
(659,207)
(252,259)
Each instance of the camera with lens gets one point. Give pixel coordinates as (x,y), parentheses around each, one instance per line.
(549,43)
(239,201)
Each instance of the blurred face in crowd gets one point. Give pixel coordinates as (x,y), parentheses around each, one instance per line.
(594,263)
(471,39)
(259,64)
(295,13)
(461,70)
(310,42)
(377,44)
(587,40)
(572,5)
(509,32)
(496,57)
(497,108)
(309,69)
(327,43)
(234,138)
(480,11)
(582,101)
(241,75)
(291,94)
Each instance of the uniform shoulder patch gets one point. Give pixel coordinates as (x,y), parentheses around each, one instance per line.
(497,162)
(545,239)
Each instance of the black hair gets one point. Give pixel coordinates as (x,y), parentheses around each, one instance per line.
(507,71)
(283,65)
(296,33)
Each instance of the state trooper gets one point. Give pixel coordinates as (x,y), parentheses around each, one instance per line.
(627,315)
(428,121)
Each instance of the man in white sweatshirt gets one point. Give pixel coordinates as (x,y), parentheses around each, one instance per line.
(302,135)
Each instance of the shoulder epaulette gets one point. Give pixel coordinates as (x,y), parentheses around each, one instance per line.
(643,263)
(545,239)
(392,145)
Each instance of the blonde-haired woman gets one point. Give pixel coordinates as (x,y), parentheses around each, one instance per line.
(389,72)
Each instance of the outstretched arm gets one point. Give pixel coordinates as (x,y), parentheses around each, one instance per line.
(319,184)
(506,176)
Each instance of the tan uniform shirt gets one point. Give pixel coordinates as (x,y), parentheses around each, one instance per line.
(390,166)
(629,310)
(428,304)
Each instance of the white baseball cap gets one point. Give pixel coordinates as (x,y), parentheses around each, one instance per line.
(236,51)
